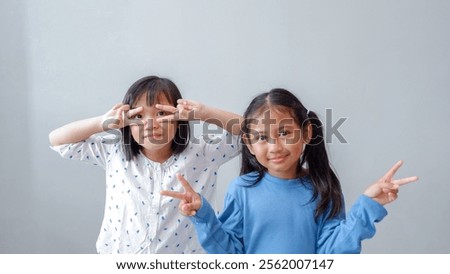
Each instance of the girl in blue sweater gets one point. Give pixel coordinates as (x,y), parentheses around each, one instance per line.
(287,199)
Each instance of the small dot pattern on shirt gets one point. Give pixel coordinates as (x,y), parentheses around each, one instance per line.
(137,219)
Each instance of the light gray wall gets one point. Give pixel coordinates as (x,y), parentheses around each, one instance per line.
(383,65)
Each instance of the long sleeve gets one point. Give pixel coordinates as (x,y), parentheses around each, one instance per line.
(344,234)
(223,234)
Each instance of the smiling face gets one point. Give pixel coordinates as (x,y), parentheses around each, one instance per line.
(155,139)
(277,140)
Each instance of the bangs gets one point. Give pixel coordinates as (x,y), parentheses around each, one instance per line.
(275,108)
(155,94)
(157,97)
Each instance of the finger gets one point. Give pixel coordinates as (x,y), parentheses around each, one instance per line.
(116,106)
(184,183)
(390,190)
(386,185)
(168,108)
(189,210)
(185,104)
(173,194)
(166,118)
(405,181)
(121,110)
(392,196)
(388,176)
(134,111)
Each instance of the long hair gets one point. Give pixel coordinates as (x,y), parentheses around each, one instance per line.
(152,87)
(325,182)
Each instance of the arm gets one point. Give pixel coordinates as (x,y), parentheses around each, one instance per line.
(81,130)
(216,236)
(76,131)
(192,110)
(344,235)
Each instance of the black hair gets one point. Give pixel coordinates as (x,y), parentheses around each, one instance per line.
(325,182)
(152,87)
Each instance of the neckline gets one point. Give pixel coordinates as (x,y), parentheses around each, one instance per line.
(281,181)
(164,164)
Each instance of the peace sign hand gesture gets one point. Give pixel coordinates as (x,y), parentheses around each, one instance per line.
(186,110)
(385,190)
(190,201)
(119,116)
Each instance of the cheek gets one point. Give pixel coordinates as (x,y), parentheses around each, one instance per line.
(136,131)
(295,149)
(258,151)
(170,129)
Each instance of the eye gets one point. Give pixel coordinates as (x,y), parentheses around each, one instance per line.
(262,138)
(160,113)
(283,133)
(137,116)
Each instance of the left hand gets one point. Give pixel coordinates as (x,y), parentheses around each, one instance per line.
(186,110)
(385,190)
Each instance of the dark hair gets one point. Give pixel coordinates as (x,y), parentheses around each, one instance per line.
(152,87)
(325,182)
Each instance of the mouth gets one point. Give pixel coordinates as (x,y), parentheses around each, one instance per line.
(277,159)
(153,136)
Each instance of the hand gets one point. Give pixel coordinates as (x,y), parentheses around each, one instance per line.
(385,190)
(119,116)
(190,201)
(186,110)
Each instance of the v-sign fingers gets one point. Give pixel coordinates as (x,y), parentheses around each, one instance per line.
(134,111)
(405,181)
(187,187)
(167,108)
(173,194)
(388,176)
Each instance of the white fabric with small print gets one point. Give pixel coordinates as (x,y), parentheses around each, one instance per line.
(137,219)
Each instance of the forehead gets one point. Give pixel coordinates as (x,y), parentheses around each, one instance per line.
(161,98)
(273,118)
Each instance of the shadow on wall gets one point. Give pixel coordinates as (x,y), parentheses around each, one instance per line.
(16,221)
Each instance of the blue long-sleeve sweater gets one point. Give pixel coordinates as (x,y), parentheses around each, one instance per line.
(277,216)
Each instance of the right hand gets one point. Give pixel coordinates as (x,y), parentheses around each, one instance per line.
(190,201)
(119,116)
(186,110)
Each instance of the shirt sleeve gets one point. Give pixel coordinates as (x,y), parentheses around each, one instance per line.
(344,234)
(222,235)
(221,148)
(94,150)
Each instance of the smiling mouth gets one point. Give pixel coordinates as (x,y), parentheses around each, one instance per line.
(277,159)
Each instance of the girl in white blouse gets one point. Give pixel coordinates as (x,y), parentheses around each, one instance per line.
(148,143)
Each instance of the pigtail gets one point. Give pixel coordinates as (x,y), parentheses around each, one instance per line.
(326,184)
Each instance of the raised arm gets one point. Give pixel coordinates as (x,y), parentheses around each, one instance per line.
(192,110)
(80,130)
(344,235)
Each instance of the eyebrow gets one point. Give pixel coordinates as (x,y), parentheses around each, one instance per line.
(288,126)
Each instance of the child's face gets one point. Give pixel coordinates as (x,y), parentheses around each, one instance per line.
(277,142)
(155,138)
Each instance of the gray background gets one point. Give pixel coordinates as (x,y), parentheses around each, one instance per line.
(384,65)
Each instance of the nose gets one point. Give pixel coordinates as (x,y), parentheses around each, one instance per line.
(151,123)
(275,145)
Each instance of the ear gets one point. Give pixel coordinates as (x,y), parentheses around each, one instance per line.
(307,136)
